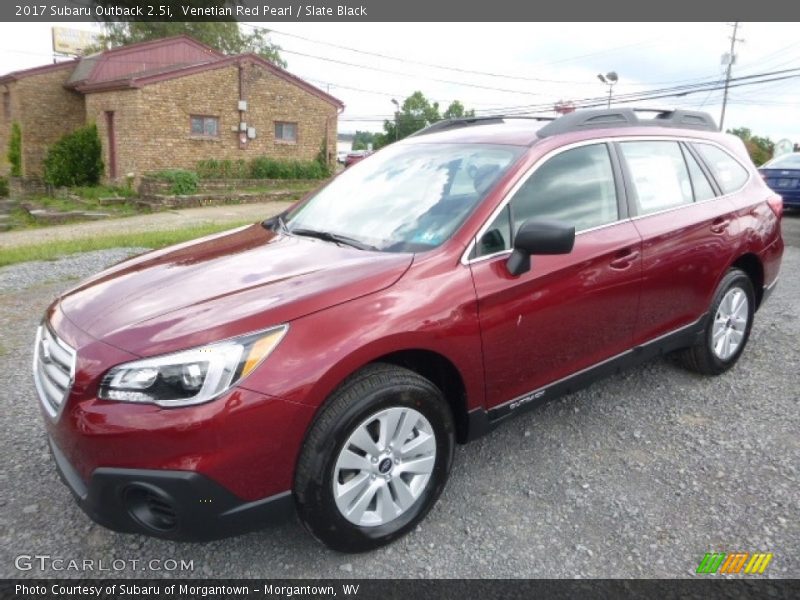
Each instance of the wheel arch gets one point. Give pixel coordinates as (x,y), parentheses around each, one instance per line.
(751,265)
(440,371)
(434,365)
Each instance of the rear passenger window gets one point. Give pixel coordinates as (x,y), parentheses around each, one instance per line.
(660,178)
(576,187)
(730,175)
(702,189)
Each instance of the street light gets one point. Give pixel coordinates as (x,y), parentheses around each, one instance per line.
(609,79)
(396,117)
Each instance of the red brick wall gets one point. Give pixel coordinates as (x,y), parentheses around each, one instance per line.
(153,123)
(45,111)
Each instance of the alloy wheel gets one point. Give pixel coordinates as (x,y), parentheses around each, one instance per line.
(384,466)
(730,323)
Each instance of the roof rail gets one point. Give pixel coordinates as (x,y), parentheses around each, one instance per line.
(458,122)
(627,117)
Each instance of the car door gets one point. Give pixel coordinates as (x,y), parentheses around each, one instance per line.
(684,230)
(570,311)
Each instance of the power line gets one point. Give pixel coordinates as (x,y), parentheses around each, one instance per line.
(459,69)
(676,91)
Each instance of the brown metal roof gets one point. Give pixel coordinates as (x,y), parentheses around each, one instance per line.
(118,63)
(143,78)
(142,64)
(14,75)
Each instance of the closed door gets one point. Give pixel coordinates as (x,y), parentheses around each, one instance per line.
(685,229)
(569,311)
(112,145)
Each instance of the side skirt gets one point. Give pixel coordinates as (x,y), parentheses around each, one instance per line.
(481,421)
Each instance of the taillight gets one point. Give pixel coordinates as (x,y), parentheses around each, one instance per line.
(776,204)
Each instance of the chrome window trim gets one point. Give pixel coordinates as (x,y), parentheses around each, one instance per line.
(466,261)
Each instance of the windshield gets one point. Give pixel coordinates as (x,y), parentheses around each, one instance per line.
(787,161)
(405,198)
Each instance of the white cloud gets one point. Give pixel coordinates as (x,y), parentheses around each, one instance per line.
(645,55)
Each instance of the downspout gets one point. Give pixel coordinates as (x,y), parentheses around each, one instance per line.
(242,134)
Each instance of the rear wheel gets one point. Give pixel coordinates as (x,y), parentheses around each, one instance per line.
(375,460)
(730,319)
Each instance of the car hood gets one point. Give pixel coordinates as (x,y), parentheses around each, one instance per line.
(221,286)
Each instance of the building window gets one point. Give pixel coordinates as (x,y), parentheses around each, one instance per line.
(7,106)
(205,126)
(285,132)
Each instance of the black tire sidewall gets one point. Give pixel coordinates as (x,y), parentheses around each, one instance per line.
(319,511)
(733,279)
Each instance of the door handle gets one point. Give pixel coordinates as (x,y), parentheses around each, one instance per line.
(719,225)
(624,259)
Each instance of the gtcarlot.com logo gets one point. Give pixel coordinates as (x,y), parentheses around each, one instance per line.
(45,562)
(734,562)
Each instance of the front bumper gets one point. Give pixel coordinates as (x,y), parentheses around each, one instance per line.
(171,504)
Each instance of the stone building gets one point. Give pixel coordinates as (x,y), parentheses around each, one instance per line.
(168,104)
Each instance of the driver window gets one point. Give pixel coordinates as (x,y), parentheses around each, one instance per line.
(576,187)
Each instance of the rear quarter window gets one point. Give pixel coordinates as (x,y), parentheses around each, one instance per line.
(660,177)
(729,173)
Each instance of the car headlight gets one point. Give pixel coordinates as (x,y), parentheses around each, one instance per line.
(191,376)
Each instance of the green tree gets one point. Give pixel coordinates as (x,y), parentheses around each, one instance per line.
(759,148)
(15,150)
(456,111)
(416,113)
(362,140)
(226,36)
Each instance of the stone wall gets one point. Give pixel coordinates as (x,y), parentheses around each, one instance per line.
(126,107)
(152,123)
(149,186)
(45,110)
(162,137)
(21,188)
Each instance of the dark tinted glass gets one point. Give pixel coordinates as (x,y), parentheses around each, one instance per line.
(576,187)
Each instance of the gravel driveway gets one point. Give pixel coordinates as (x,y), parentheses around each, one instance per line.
(637,476)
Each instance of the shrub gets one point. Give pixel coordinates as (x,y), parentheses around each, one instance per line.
(15,150)
(270,168)
(3,187)
(183,182)
(75,159)
(222,169)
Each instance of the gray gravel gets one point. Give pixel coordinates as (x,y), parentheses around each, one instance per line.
(637,476)
(76,266)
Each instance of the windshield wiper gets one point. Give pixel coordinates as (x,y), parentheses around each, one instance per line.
(332,237)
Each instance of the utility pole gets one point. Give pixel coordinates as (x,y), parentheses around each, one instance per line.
(731,58)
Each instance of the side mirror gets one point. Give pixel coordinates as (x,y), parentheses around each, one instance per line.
(539,237)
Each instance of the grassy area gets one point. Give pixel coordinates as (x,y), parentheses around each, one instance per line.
(79,199)
(148,239)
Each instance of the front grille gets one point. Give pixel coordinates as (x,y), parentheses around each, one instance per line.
(53,370)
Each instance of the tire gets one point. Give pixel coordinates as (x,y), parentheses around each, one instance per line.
(710,356)
(381,497)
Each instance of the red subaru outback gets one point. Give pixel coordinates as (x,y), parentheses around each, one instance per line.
(327,361)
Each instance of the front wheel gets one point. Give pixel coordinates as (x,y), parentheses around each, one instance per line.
(375,460)
(728,327)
